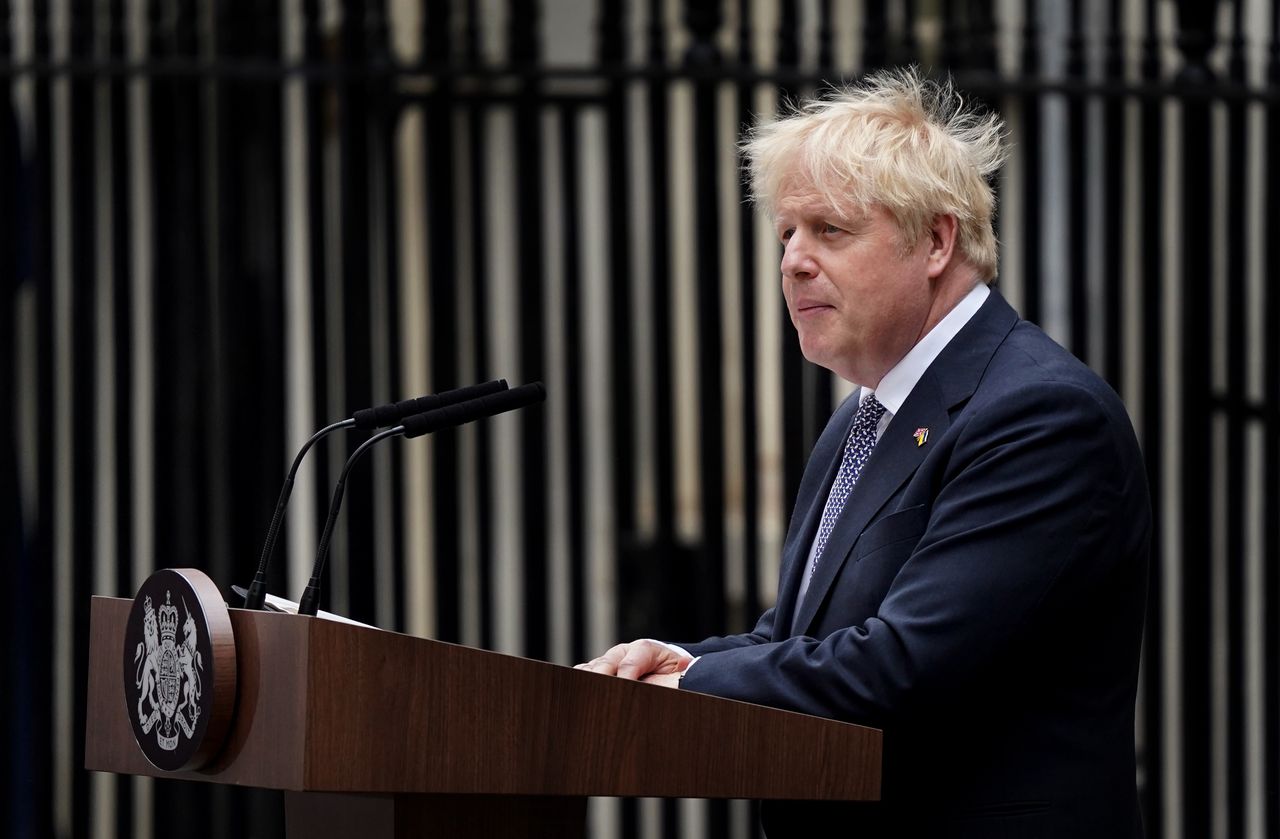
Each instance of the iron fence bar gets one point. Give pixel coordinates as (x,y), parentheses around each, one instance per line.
(523,20)
(659,281)
(381,109)
(41,218)
(909,44)
(573,369)
(81,251)
(122,305)
(484,490)
(1031,167)
(1271,474)
(173,196)
(259,230)
(575,395)
(747,294)
(954,35)
(1195,38)
(443,287)
(1152,145)
(353,153)
(217,451)
(1077,195)
(1237,150)
(327,456)
(826,63)
(621,396)
(704,20)
(1114,149)
(982,36)
(23,771)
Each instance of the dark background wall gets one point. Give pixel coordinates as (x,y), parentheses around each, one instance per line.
(226,223)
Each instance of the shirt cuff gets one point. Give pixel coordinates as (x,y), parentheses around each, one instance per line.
(675,648)
(680,651)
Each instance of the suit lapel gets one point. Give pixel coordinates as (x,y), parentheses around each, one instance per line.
(819,472)
(948,382)
(893,460)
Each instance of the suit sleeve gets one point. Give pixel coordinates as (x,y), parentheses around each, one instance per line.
(1042,495)
(760,634)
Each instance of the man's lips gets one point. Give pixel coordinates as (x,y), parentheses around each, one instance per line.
(811,307)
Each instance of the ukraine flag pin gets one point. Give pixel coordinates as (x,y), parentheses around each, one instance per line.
(922,436)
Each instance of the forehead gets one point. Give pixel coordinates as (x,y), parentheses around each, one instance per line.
(804,201)
(797,191)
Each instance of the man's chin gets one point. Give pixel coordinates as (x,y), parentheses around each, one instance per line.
(815,346)
(825,357)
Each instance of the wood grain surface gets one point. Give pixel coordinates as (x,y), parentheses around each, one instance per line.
(325,706)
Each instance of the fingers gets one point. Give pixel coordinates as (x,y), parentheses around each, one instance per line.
(643,658)
(636,660)
(607,663)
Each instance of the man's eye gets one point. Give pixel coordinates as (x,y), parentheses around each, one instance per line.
(785,235)
(831,228)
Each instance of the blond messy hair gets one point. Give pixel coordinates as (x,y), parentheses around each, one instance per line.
(908,144)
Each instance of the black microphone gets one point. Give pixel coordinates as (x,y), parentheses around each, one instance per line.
(474,409)
(414,426)
(386,415)
(381,416)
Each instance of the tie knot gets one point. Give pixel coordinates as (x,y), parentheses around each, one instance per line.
(869,413)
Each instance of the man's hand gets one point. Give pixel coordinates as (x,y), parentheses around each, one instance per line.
(642,660)
(666,680)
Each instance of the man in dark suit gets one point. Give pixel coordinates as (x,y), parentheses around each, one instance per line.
(966,563)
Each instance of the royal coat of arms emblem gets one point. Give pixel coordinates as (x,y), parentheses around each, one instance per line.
(168,674)
(179,669)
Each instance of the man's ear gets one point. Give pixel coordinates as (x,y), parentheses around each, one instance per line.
(942,243)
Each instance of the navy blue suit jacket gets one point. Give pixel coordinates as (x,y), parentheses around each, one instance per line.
(981,599)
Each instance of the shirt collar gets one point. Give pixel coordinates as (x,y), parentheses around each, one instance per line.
(898,383)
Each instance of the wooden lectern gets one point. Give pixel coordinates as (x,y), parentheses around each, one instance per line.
(377,734)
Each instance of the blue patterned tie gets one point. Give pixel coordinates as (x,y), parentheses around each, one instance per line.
(862,437)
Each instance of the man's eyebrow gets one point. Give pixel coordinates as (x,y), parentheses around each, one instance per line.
(856,219)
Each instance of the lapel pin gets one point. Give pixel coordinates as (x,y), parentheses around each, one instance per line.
(922,436)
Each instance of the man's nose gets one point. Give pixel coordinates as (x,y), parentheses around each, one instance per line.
(797,259)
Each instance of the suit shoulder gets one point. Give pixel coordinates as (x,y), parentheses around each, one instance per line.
(1030,358)
(1031,373)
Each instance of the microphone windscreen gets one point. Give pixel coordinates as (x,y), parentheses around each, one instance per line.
(453,397)
(485,406)
(384,416)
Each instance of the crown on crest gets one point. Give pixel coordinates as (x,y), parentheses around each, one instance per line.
(168,620)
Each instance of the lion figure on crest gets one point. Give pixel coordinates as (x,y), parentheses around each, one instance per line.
(148,670)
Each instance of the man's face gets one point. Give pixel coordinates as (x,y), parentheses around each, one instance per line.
(858,299)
